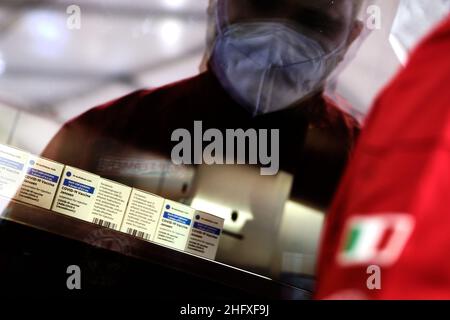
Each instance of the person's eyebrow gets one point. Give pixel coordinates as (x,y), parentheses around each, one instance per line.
(320,15)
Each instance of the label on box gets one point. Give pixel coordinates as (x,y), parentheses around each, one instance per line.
(205,234)
(174,225)
(142,215)
(110,204)
(76,194)
(12,170)
(41,181)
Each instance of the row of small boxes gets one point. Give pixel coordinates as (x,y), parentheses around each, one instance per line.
(73,192)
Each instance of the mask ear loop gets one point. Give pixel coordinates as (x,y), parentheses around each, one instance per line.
(221,15)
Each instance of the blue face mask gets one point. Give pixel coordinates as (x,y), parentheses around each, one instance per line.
(269,66)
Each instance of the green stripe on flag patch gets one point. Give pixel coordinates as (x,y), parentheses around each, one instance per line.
(352,238)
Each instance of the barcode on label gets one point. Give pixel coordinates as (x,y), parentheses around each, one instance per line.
(103,223)
(139,234)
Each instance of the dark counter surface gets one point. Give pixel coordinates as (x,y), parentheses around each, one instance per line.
(37,246)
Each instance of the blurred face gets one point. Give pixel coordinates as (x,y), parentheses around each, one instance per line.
(330,22)
(273,54)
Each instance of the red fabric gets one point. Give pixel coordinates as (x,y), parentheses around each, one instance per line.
(140,125)
(401,165)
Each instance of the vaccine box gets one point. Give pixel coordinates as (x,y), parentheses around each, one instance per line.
(76,194)
(12,170)
(205,235)
(110,204)
(174,225)
(41,181)
(142,215)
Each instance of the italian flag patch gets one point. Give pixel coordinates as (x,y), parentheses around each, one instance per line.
(375,239)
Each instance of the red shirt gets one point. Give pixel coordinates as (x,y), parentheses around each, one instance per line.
(392,208)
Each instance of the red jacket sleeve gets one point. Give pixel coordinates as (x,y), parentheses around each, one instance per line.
(387,235)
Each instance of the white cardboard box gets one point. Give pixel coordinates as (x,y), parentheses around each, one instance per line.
(174,225)
(41,181)
(205,235)
(76,194)
(110,204)
(142,215)
(12,170)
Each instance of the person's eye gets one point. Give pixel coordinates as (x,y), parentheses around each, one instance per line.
(316,21)
(263,5)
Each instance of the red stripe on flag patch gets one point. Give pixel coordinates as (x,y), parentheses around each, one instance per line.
(386,238)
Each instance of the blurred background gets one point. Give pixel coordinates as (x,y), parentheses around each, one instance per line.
(49,74)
